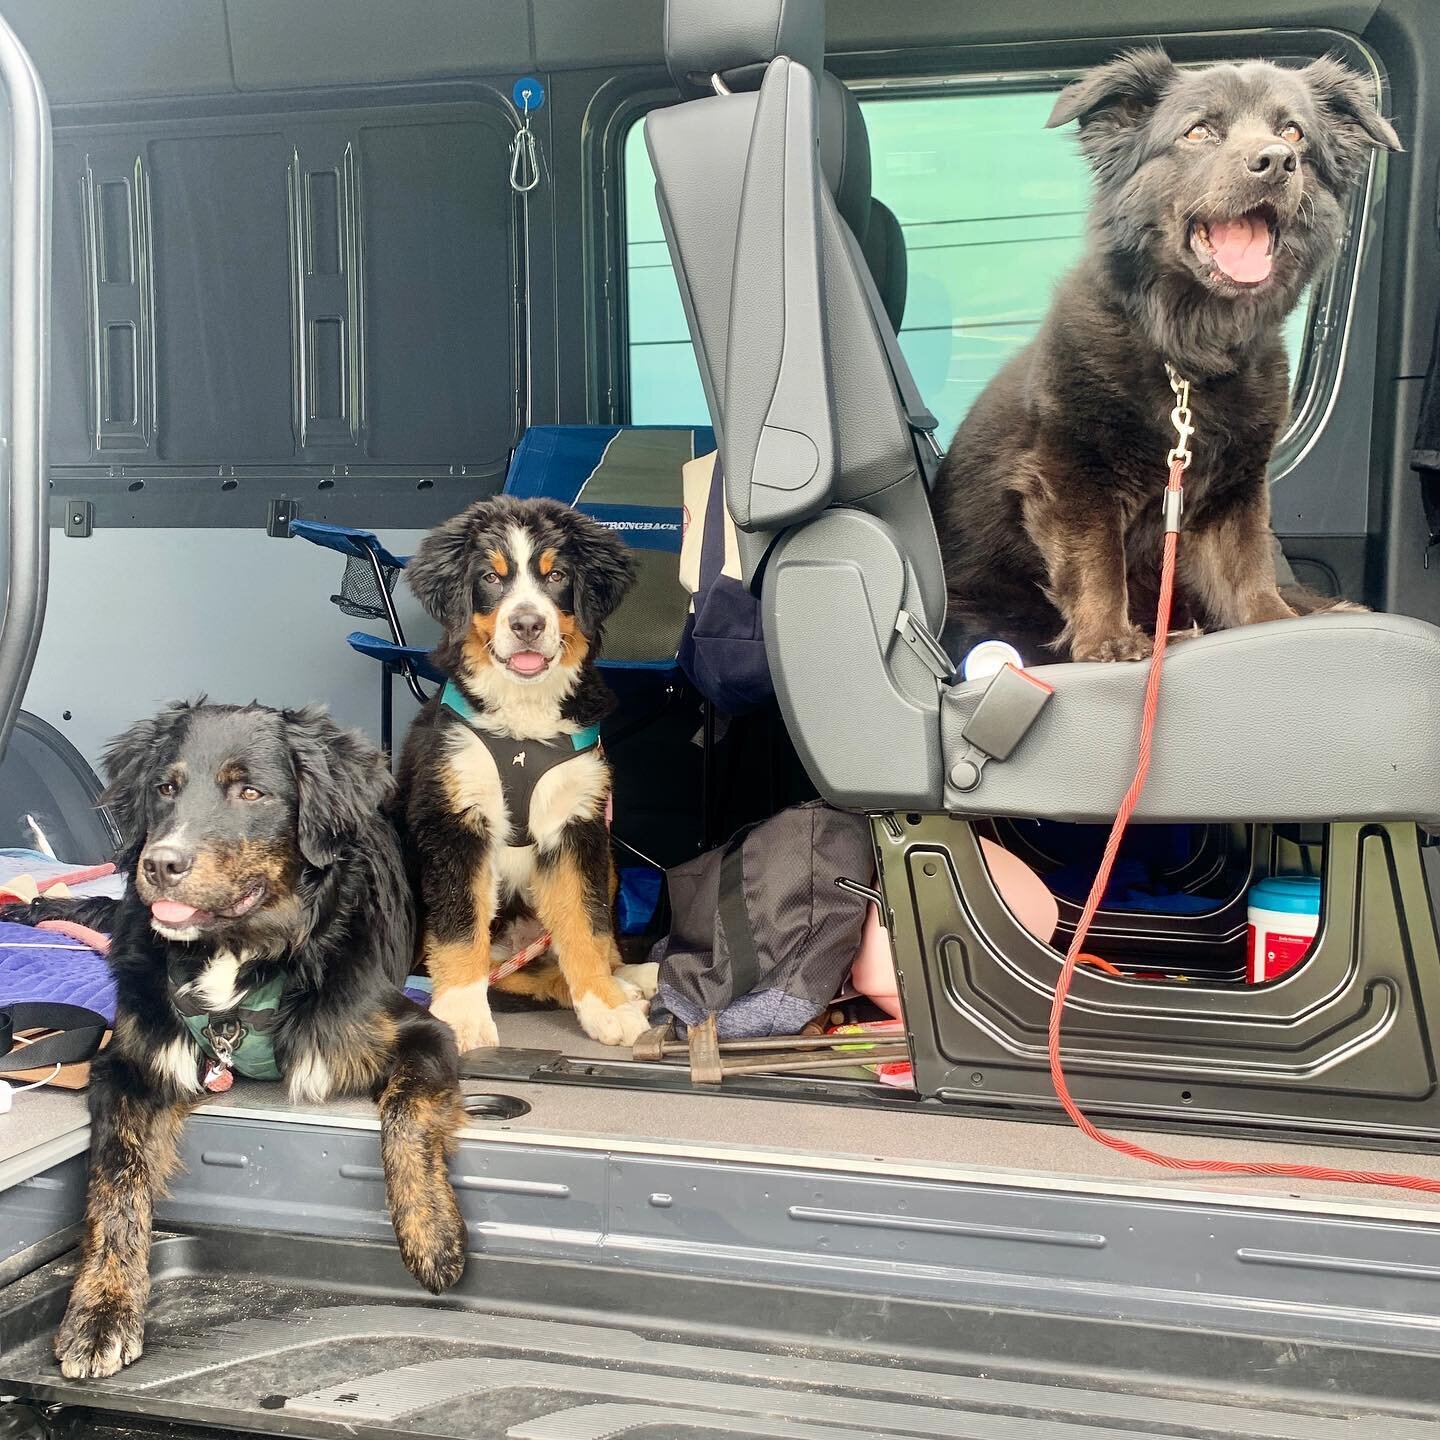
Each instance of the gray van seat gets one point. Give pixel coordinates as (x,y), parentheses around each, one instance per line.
(1332,717)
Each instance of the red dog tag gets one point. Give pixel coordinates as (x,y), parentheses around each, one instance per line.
(218,1078)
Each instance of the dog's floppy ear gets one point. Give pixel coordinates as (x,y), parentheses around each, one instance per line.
(604,572)
(439,571)
(341,780)
(1347,98)
(132,763)
(1120,93)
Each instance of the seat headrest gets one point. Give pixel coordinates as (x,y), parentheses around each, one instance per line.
(883,245)
(845,152)
(737,39)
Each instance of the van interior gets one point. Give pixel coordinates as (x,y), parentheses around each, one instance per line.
(305,272)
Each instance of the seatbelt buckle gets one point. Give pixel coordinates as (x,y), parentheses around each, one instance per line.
(1011,704)
(925,645)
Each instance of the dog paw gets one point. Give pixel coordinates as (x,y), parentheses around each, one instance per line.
(643,980)
(97,1341)
(468,1016)
(613,1025)
(433,1249)
(1131,644)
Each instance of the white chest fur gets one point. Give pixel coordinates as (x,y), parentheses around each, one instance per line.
(573,789)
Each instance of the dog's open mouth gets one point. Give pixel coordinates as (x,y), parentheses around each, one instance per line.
(527,664)
(176,915)
(1240,248)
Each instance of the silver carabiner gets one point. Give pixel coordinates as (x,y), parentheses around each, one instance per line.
(524,158)
(524,152)
(1180,418)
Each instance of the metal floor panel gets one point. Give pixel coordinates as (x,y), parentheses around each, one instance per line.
(614,1292)
(313,1337)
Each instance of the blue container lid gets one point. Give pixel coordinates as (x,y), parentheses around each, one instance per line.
(1290,894)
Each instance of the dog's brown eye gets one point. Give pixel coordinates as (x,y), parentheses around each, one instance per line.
(249,792)
(556,577)
(165,788)
(1292,132)
(491,578)
(1199,132)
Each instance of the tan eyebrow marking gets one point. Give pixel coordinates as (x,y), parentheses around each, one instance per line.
(546,563)
(498,563)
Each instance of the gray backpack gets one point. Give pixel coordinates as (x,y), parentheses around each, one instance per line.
(761,935)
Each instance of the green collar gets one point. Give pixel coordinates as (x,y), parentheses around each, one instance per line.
(453,698)
(241,1038)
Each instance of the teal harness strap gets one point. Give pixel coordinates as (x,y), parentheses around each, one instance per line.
(453,698)
(241,1038)
(520,763)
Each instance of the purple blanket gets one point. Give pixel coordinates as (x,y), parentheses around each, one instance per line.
(38,965)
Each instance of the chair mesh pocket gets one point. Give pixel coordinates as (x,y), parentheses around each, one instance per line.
(360,591)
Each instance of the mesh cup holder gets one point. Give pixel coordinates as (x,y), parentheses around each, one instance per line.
(360,592)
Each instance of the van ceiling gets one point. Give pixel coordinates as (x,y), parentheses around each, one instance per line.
(97,50)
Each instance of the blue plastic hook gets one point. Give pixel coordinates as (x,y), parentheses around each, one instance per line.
(528,94)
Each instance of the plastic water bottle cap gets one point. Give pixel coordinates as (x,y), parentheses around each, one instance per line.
(988,658)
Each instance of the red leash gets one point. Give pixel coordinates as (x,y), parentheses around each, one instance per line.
(1174,491)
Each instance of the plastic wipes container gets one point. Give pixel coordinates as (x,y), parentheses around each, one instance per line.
(1284,916)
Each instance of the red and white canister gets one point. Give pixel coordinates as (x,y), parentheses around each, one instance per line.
(1284,916)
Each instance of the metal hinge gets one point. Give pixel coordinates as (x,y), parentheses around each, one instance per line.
(79,519)
(282,512)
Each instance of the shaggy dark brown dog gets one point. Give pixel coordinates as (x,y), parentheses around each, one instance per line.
(266,929)
(1219,195)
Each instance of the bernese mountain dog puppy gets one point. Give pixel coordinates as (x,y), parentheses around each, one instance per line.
(266,928)
(503,785)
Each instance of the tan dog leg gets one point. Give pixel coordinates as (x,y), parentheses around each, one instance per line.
(459,966)
(573,905)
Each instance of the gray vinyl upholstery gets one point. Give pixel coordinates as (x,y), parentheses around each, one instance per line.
(765,198)
(1330,718)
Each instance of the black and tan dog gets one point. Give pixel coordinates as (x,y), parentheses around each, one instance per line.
(1220,194)
(266,928)
(503,786)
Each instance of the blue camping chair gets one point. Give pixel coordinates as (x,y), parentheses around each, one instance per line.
(627,478)
(366,592)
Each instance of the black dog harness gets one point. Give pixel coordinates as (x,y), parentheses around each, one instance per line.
(521,763)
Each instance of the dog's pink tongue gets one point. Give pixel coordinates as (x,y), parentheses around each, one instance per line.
(527,662)
(172,912)
(1242,248)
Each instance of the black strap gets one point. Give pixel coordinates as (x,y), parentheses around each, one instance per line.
(1425,457)
(712,537)
(918,414)
(80,1033)
(735,919)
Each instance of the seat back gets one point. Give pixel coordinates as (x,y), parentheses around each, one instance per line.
(762,183)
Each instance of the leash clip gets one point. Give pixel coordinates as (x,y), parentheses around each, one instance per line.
(1180,418)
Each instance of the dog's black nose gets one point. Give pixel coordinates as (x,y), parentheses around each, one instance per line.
(528,625)
(1275,160)
(165,864)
